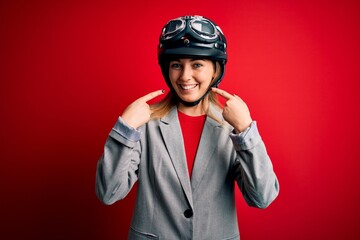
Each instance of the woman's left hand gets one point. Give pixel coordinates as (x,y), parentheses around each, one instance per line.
(235,111)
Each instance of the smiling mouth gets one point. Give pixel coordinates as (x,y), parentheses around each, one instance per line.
(188,86)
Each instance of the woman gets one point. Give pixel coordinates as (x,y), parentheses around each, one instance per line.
(187,152)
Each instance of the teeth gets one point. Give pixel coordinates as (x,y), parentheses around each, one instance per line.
(187,87)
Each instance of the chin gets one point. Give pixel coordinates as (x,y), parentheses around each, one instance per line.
(189,96)
(190,99)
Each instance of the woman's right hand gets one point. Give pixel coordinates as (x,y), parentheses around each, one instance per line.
(139,112)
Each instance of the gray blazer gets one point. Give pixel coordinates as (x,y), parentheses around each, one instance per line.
(168,204)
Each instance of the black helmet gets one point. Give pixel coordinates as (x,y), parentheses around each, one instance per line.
(191,36)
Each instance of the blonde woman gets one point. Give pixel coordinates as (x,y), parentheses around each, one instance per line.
(187,151)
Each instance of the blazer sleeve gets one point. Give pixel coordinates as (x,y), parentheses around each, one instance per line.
(253,169)
(117,168)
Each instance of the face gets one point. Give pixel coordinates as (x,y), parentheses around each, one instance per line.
(191,78)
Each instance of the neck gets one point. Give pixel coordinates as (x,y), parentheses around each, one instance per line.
(198,110)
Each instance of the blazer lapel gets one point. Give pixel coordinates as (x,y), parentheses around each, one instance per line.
(208,144)
(171,133)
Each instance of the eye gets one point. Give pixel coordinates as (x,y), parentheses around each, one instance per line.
(197,65)
(175,65)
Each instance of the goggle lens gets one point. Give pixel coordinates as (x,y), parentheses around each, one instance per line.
(203,27)
(172,28)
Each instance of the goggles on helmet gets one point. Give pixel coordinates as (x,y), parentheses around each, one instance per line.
(195,26)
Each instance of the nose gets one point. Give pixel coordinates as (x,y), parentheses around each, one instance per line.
(186,73)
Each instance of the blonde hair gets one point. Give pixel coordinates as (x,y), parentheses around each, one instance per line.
(163,107)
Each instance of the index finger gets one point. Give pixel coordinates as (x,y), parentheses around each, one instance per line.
(222,93)
(152,95)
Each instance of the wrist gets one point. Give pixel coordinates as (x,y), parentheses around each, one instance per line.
(243,127)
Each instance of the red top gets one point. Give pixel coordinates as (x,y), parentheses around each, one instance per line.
(191,127)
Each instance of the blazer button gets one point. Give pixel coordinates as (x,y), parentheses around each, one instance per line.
(188,213)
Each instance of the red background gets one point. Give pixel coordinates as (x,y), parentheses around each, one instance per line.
(68,69)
